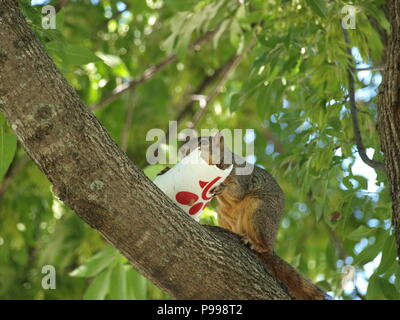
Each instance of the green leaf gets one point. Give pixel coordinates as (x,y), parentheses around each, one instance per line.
(2,119)
(8,146)
(360,232)
(397,277)
(72,54)
(363,182)
(324,285)
(235,32)
(318,7)
(97,290)
(388,289)
(220,32)
(181,5)
(60,20)
(380,288)
(183,42)
(319,210)
(118,282)
(347,183)
(388,255)
(267,97)
(96,263)
(136,285)
(374,289)
(235,102)
(367,255)
(117,66)
(335,123)
(152,171)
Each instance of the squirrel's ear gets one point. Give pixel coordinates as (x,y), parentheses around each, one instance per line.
(219,139)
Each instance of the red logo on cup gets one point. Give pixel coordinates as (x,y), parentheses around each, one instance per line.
(188,198)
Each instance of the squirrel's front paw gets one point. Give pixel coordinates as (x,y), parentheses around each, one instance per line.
(218,190)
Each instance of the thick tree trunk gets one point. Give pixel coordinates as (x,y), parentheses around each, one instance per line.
(389,114)
(96,179)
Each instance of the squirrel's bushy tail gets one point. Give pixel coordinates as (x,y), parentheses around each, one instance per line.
(298,287)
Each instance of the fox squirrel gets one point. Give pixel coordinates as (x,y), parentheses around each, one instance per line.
(251,205)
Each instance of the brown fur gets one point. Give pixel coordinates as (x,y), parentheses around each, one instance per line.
(240,216)
(236,216)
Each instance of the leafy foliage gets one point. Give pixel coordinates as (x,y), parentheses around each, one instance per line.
(291,88)
(8,145)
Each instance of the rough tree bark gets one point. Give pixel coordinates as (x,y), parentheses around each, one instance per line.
(389,114)
(94,177)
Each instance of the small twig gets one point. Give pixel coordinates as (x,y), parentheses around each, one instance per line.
(353,109)
(204,103)
(369,69)
(271,137)
(194,96)
(197,97)
(198,92)
(116,14)
(61,4)
(226,72)
(150,72)
(120,90)
(336,242)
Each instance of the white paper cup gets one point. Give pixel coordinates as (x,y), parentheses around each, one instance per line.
(189,182)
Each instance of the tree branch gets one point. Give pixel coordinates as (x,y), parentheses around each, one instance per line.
(225,74)
(150,72)
(188,107)
(95,178)
(389,114)
(61,4)
(196,97)
(204,103)
(369,69)
(270,136)
(353,109)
